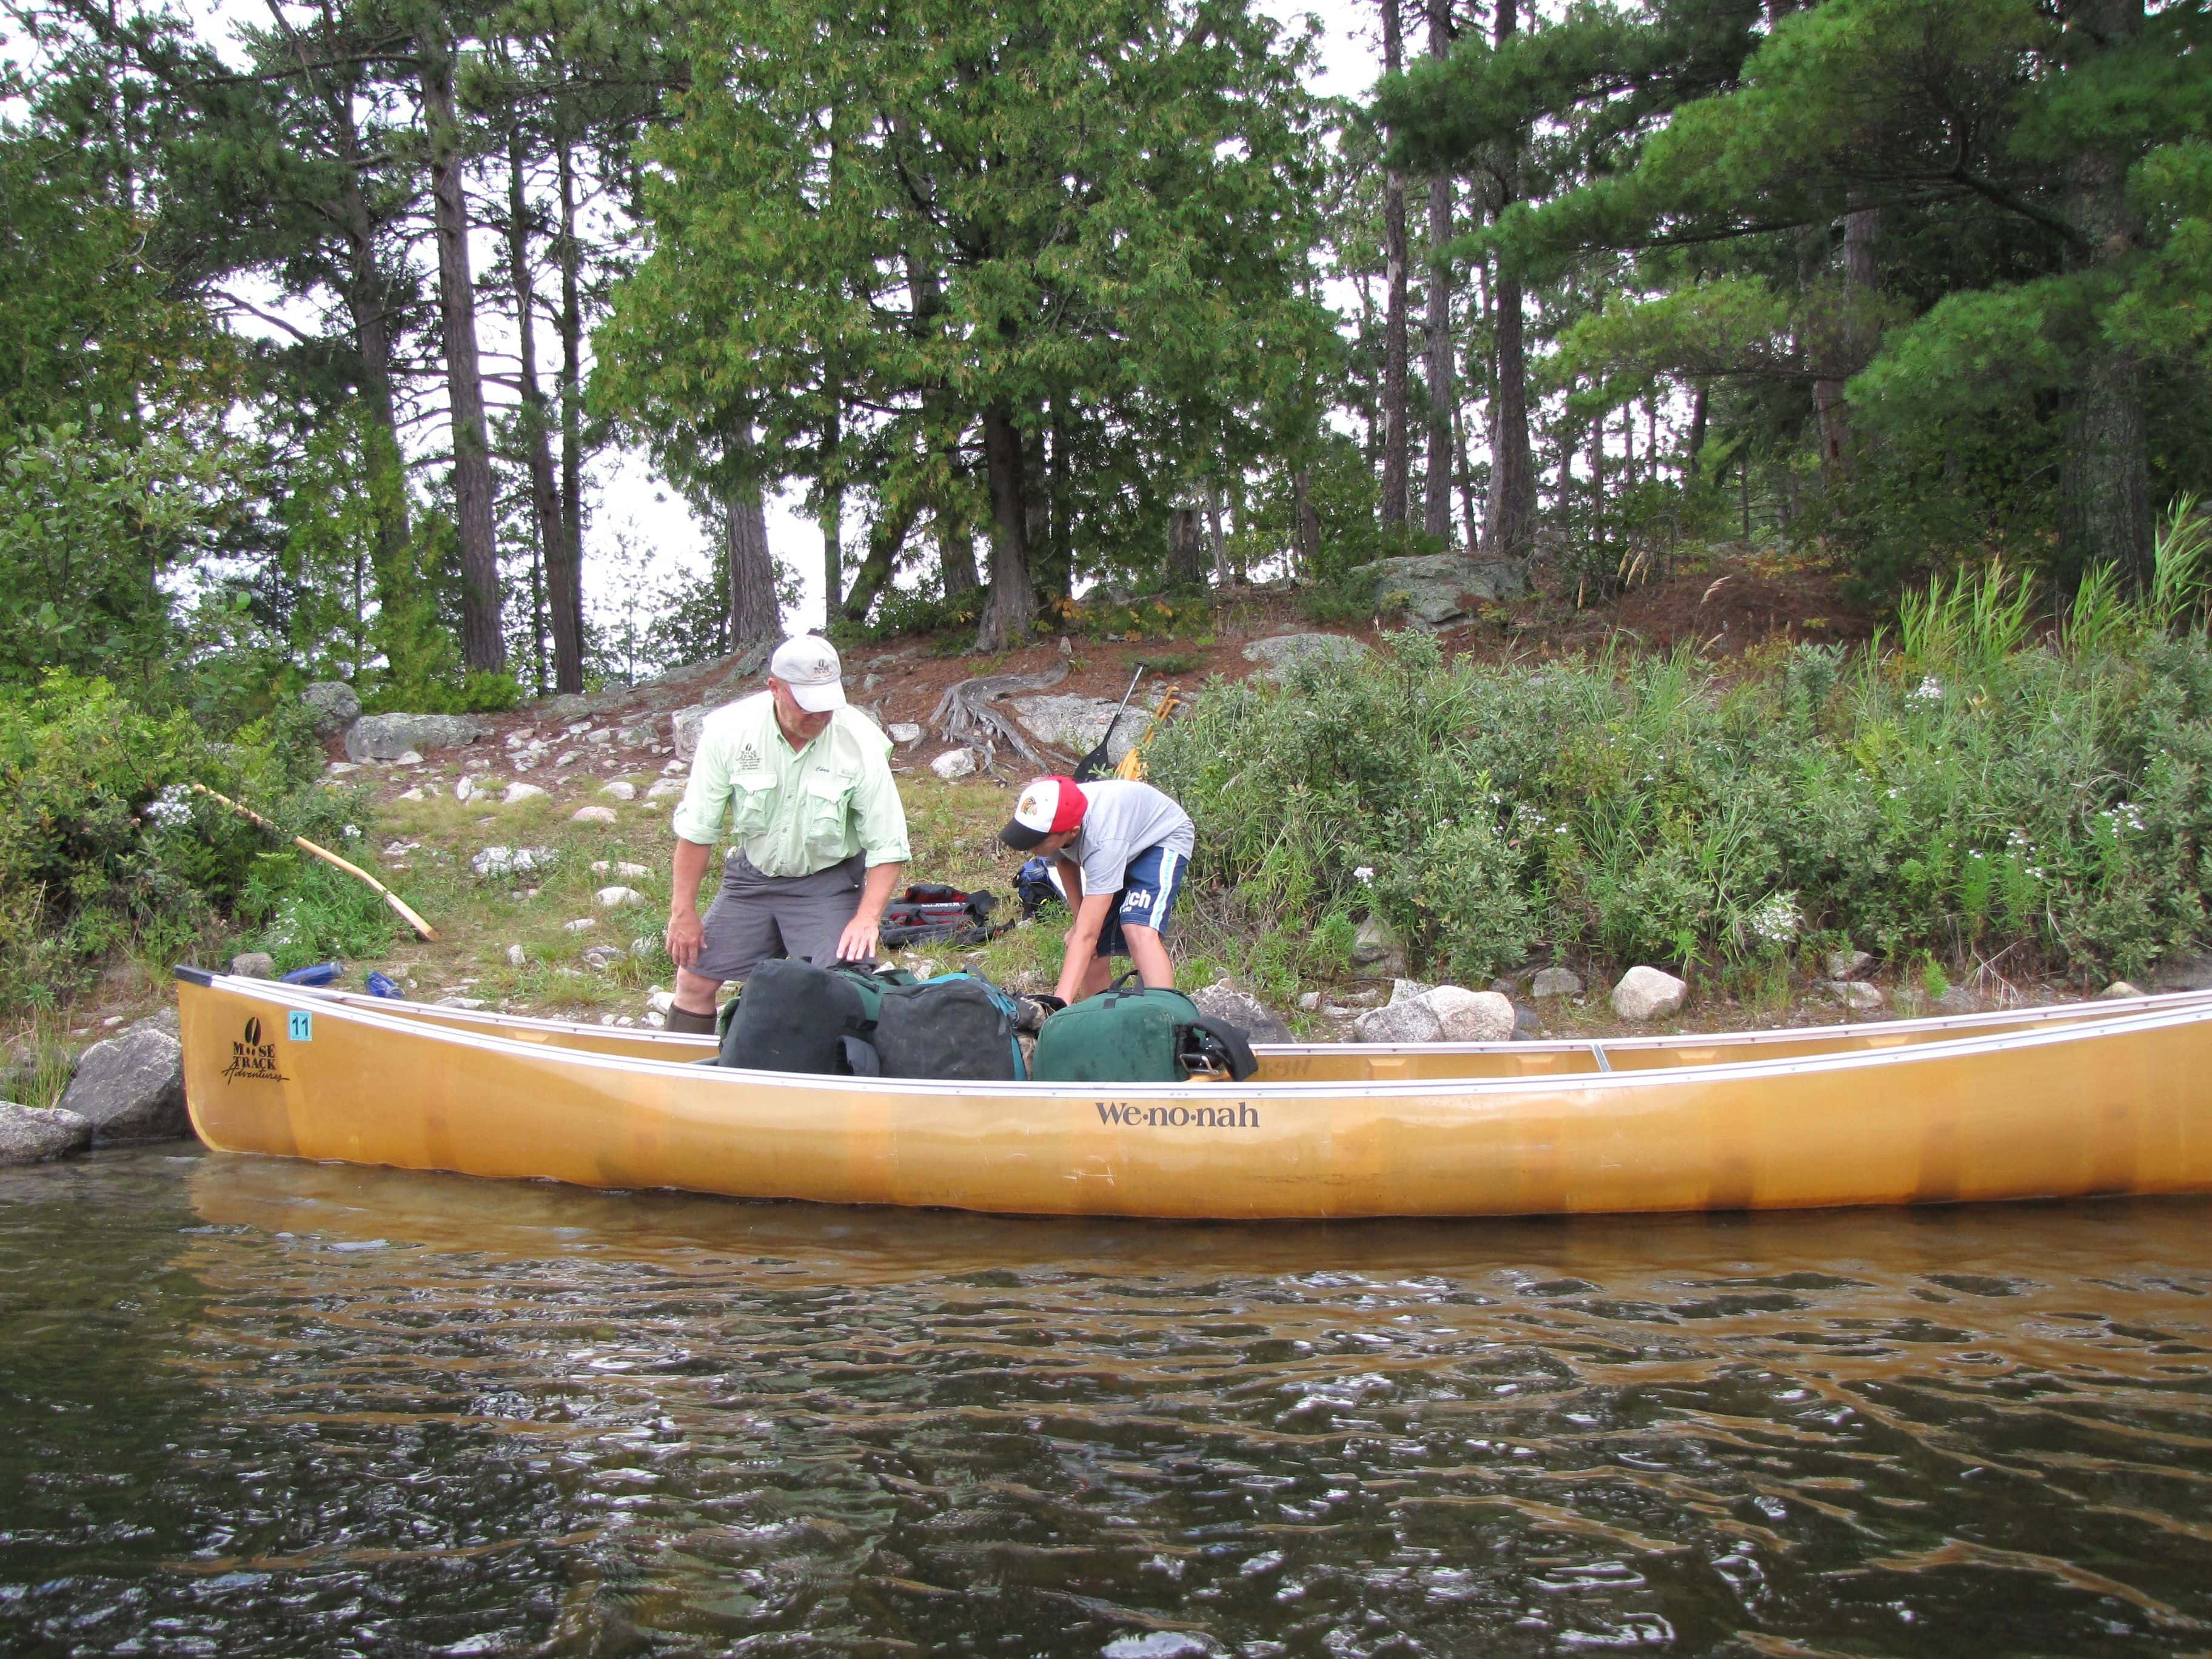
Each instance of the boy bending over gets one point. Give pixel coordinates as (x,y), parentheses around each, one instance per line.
(1119,850)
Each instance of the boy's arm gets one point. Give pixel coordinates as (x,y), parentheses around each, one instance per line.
(1082,943)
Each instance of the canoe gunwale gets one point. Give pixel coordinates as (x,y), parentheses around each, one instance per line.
(2196,1010)
(1913,1033)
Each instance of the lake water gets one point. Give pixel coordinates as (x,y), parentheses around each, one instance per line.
(255,1406)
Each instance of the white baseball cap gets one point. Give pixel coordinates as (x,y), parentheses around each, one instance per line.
(808,664)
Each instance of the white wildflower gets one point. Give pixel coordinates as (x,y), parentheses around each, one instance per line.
(1777,920)
(174,805)
(1365,875)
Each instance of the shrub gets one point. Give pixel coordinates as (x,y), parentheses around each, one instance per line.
(103,847)
(1980,792)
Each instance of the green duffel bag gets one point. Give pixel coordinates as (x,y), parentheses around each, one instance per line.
(1138,1035)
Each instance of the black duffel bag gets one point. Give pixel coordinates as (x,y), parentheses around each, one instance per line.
(956,1026)
(794,1017)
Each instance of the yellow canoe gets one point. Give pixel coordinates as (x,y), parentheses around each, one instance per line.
(2092,1099)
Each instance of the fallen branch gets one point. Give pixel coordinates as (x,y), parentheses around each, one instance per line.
(422,929)
(964,715)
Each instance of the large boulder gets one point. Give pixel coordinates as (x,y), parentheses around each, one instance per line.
(334,705)
(1647,993)
(1436,588)
(1223,1000)
(685,723)
(1413,1020)
(1076,724)
(1465,1016)
(1281,655)
(132,1087)
(387,737)
(29,1135)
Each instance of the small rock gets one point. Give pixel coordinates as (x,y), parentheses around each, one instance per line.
(620,789)
(253,964)
(601,736)
(460,1002)
(132,1087)
(663,787)
(1375,943)
(592,815)
(1526,1025)
(494,862)
(569,759)
(674,767)
(660,1001)
(335,706)
(614,898)
(466,788)
(1465,1016)
(643,947)
(1555,983)
(1848,964)
(2119,991)
(903,732)
(29,1135)
(582,924)
(954,763)
(1647,993)
(413,794)
(409,758)
(516,792)
(1224,1000)
(1369,996)
(1309,1000)
(600,957)
(1854,994)
(1412,1021)
(515,958)
(339,768)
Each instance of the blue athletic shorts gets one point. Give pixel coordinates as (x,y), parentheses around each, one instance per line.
(1147,899)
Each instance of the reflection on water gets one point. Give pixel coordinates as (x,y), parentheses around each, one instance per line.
(265,1407)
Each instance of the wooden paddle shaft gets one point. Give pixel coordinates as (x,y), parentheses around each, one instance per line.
(422,929)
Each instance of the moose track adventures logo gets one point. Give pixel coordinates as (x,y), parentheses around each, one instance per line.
(252,1060)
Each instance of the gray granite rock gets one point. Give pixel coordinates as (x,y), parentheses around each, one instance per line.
(685,723)
(253,964)
(1848,964)
(1077,723)
(1465,1016)
(1413,1020)
(132,1087)
(1282,654)
(1854,994)
(387,737)
(1223,1000)
(1375,945)
(1436,588)
(954,763)
(2119,991)
(1555,983)
(29,1135)
(1647,993)
(334,704)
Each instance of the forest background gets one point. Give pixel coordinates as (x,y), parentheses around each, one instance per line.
(313,323)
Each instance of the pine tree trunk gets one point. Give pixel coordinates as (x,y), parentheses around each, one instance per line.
(483,644)
(537,453)
(1012,606)
(2105,475)
(1186,545)
(1396,461)
(754,613)
(1700,411)
(1437,517)
(830,509)
(886,540)
(1510,517)
(368,303)
(565,576)
(956,558)
(1306,535)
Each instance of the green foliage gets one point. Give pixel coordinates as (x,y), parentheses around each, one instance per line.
(302,911)
(1979,789)
(102,844)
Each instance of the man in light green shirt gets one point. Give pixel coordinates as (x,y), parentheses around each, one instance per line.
(802,783)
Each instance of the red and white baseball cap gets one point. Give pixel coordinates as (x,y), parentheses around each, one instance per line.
(808,664)
(1048,806)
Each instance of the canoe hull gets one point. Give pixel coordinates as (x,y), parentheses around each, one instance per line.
(2105,1108)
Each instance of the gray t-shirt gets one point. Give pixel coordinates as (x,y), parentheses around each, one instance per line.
(1123,820)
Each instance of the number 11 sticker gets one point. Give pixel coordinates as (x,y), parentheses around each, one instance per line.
(303,1026)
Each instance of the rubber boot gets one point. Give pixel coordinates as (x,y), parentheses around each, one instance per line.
(683,1019)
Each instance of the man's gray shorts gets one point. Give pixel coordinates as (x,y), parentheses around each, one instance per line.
(755,917)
